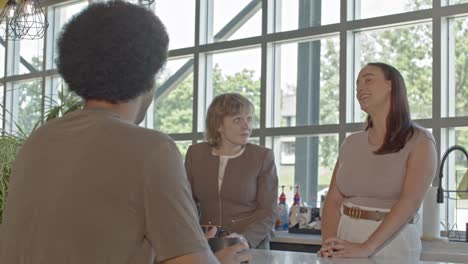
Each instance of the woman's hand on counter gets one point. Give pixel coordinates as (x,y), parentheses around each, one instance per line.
(325,251)
(241,237)
(335,247)
(234,254)
(211,233)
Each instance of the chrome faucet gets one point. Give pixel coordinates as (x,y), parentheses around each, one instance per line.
(440,191)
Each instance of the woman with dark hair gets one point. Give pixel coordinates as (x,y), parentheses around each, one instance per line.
(381,175)
(234,182)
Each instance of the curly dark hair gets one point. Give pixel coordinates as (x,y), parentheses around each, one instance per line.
(111,51)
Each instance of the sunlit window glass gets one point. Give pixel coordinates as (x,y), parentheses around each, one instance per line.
(179,18)
(306,83)
(457,92)
(172,107)
(24,106)
(296,14)
(372,8)
(409,49)
(238,71)
(235,20)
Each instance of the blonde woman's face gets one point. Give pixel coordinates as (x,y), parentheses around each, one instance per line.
(236,129)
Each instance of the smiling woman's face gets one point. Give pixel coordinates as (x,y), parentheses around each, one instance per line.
(372,89)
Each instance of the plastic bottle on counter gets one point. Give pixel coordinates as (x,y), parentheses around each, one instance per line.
(294,211)
(283,208)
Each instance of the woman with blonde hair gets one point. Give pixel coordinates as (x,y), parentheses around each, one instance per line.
(234,182)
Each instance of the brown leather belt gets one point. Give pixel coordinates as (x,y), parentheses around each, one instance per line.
(358,213)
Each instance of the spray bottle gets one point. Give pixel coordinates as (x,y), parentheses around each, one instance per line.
(294,212)
(282,220)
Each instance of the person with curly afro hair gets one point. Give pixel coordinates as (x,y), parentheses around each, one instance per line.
(93,186)
(113,54)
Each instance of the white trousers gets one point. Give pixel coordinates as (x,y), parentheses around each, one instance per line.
(405,243)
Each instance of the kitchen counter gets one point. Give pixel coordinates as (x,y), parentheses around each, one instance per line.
(286,257)
(456,252)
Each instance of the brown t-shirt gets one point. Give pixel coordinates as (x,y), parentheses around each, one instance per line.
(371,180)
(91,188)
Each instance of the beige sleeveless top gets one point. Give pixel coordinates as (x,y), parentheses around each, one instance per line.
(367,179)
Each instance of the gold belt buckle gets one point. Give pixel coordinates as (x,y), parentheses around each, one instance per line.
(355,212)
(379,215)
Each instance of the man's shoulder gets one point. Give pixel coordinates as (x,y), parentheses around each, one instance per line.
(149,135)
(102,128)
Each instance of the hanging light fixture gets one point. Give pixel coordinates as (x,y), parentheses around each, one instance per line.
(30,21)
(7,15)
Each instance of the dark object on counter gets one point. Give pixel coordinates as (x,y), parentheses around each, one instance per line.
(315,213)
(440,191)
(218,243)
(310,231)
(220,232)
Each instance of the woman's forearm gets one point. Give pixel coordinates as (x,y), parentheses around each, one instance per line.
(331,208)
(330,220)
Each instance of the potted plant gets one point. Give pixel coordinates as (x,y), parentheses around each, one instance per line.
(9,145)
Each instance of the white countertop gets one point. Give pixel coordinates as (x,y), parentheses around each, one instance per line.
(285,237)
(431,250)
(286,257)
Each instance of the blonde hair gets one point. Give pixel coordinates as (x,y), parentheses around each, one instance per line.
(223,105)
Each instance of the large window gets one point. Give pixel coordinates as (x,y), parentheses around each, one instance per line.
(456,2)
(2,114)
(295,60)
(2,54)
(457,92)
(29,90)
(23,100)
(305,81)
(237,71)
(173,103)
(289,14)
(233,19)
(409,49)
(62,14)
(179,18)
(372,8)
(27,57)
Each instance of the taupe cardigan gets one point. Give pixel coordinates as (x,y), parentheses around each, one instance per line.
(247,203)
